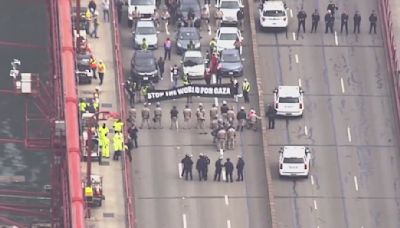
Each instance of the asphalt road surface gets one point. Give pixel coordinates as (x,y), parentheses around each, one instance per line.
(348,122)
(165,200)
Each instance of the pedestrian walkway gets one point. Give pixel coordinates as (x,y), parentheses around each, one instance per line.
(112,212)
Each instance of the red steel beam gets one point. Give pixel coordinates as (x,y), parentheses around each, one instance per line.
(71,115)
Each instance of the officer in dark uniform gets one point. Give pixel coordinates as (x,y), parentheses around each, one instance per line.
(372,20)
(357,22)
(239,168)
(187,167)
(271,113)
(218,169)
(329,21)
(190,45)
(206,162)
(344,19)
(229,170)
(200,166)
(130,87)
(332,7)
(301,17)
(315,20)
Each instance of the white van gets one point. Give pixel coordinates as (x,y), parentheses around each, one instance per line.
(146,8)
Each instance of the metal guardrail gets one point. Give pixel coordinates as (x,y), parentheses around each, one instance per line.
(390,44)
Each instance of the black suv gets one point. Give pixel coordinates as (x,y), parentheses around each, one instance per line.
(185,6)
(144,67)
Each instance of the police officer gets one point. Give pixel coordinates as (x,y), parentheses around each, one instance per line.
(187,167)
(231,135)
(157,116)
(230,116)
(221,136)
(301,17)
(190,45)
(344,18)
(201,118)
(357,22)
(218,169)
(130,87)
(187,116)
(174,76)
(329,21)
(314,21)
(205,167)
(271,112)
(332,7)
(200,166)
(213,114)
(241,117)
(145,116)
(229,170)
(372,21)
(246,90)
(224,110)
(133,135)
(215,128)
(174,118)
(240,17)
(132,117)
(239,168)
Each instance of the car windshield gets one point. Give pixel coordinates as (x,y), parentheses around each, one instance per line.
(145,30)
(230,57)
(230,5)
(293,160)
(188,36)
(148,62)
(274,13)
(288,100)
(192,61)
(142,2)
(187,7)
(228,36)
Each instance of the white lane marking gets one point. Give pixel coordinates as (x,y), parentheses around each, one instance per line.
(214,81)
(348,134)
(166,28)
(184,220)
(312,179)
(223,174)
(180,168)
(305,130)
(226,200)
(221,152)
(300,82)
(336,39)
(315,205)
(291,13)
(294,35)
(356,183)
(342,84)
(296,57)
(228,223)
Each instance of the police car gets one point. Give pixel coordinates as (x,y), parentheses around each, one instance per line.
(288,101)
(294,161)
(273,14)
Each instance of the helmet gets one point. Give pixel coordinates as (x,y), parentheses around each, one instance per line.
(223,102)
(242,108)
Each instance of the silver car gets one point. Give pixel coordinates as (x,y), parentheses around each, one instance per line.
(145,29)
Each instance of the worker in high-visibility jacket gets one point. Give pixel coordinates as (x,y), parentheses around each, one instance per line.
(101,69)
(93,66)
(83,106)
(118,125)
(246,90)
(103,131)
(89,193)
(96,104)
(88,18)
(105,146)
(118,141)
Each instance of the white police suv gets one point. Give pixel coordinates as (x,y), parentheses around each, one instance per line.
(294,161)
(288,101)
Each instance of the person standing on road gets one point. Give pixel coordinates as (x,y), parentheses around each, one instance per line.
(301,17)
(118,141)
(92,6)
(105,146)
(344,19)
(240,18)
(221,137)
(157,116)
(218,169)
(118,126)
(224,111)
(372,22)
(187,116)
(246,90)
(357,22)
(239,168)
(229,170)
(205,167)
(145,116)
(133,133)
(161,64)
(128,146)
(314,21)
(106,10)
(101,68)
(231,135)
(200,166)
(174,118)
(241,116)
(96,24)
(174,76)
(329,21)
(187,167)
(167,48)
(271,112)
(332,7)
(213,113)
(230,116)
(201,118)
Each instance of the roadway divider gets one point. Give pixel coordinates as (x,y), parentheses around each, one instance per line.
(261,105)
(119,72)
(390,45)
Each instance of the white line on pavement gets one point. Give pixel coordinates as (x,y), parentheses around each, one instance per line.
(184,220)
(180,170)
(296,57)
(336,39)
(312,179)
(356,183)
(166,28)
(223,174)
(315,205)
(226,200)
(342,84)
(221,152)
(214,81)
(348,134)
(291,13)
(300,82)
(228,223)
(294,35)
(305,130)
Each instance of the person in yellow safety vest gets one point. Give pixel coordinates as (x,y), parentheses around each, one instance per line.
(89,193)
(83,106)
(101,69)
(213,45)
(88,17)
(246,90)
(105,146)
(145,90)
(96,104)
(118,141)
(145,46)
(103,131)
(118,126)
(93,66)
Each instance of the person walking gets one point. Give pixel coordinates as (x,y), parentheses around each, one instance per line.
(103,131)
(187,163)
(174,118)
(271,113)
(105,146)
(372,21)
(128,146)
(230,116)
(221,137)
(218,169)
(106,10)
(96,24)
(187,116)
(174,76)
(200,166)
(207,162)
(201,118)
(93,66)
(357,22)
(329,21)
(161,65)
(224,110)
(235,88)
(118,126)
(118,142)
(241,116)
(332,7)
(157,116)
(167,48)
(213,113)
(145,116)
(101,68)
(314,21)
(301,17)
(239,167)
(344,19)
(246,90)
(231,135)
(133,133)
(240,18)
(131,120)
(229,170)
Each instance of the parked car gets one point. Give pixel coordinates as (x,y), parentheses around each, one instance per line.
(144,67)
(273,15)
(83,72)
(230,63)
(185,6)
(288,101)
(145,7)
(183,37)
(294,161)
(226,37)
(193,64)
(145,29)
(229,10)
